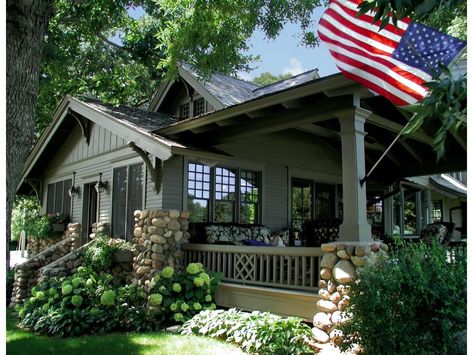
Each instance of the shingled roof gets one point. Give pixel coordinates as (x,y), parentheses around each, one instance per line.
(230,91)
(142,119)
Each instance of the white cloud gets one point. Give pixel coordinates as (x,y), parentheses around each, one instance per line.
(294,68)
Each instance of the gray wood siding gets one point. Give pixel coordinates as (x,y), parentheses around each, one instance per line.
(173,183)
(76,149)
(275,197)
(152,199)
(292,148)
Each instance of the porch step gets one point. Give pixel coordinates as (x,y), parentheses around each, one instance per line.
(279,301)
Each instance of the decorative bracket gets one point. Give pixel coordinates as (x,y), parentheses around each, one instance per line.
(156,172)
(84,125)
(36,185)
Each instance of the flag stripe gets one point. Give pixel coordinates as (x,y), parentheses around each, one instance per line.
(402,24)
(365,22)
(418,77)
(386,74)
(366,69)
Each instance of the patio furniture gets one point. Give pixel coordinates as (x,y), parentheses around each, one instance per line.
(318,232)
(442,232)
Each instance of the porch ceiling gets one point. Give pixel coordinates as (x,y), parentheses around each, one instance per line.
(316,115)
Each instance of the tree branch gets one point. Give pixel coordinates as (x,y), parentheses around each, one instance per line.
(113,44)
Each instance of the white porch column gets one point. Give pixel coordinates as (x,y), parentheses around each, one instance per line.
(355,226)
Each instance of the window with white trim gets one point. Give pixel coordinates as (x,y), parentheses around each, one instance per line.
(221,194)
(58,199)
(127,196)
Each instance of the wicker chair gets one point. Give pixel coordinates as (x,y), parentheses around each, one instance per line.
(315,233)
(442,232)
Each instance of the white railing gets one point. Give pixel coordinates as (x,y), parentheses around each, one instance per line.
(296,268)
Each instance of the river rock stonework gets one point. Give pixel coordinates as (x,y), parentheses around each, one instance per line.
(100,228)
(338,268)
(26,274)
(158,235)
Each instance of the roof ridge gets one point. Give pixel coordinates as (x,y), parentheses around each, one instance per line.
(292,77)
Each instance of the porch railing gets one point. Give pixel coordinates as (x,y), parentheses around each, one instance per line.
(294,268)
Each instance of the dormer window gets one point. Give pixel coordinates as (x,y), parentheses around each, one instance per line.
(199,107)
(184,111)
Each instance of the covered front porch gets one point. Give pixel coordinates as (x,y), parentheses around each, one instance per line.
(338,132)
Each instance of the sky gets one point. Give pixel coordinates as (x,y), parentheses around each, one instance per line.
(284,54)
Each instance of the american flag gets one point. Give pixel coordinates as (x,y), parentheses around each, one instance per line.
(393,62)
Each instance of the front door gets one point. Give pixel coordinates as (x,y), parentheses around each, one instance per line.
(89,214)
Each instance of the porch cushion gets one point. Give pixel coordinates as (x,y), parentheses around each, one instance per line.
(235,233)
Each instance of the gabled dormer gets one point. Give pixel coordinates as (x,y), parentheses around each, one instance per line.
(190,96)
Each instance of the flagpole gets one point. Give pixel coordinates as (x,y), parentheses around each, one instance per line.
(362,181)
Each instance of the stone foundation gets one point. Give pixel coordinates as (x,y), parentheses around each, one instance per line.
(37,245)
(339,267)
(26,274)
(158,236)
(100,227)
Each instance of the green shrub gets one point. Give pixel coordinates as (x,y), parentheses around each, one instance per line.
(24,215)
(80,309)
(256,332)
(99,255)
(181,291)
(412,301)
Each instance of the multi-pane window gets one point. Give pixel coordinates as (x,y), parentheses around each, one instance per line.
(184,111)
(198,191)
(213,194)
(199,107)
(58,199)
(313,200)
(127,196)
(249,197)
(225,197)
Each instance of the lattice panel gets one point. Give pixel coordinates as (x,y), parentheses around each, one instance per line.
(244,267)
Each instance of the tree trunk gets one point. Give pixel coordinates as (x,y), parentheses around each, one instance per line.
(27,22)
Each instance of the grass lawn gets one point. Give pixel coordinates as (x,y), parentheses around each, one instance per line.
(22,342)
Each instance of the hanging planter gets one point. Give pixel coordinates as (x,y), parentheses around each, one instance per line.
(58,227)
(123,256)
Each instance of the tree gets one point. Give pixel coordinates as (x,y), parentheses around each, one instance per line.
(267,78)
(80,58)
(26,27)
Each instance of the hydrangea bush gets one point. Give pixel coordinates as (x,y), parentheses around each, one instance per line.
(87,303)
(185,294)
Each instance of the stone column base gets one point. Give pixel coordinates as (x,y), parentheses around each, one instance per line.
(338,268)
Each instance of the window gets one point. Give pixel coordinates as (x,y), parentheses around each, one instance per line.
(184,111)
(127,196)
(58,199)
(249,195)
(199,107)
(198,192)
(225,197)
(212,194)
(436,214)
(314,200)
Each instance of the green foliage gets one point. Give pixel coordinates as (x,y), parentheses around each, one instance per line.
(214,36)
(184,294)
(267,78)
(412,301)
(388,11)
(24,215)
(446,105)
(255,332)
(42,228)
(84,307)
(99,255)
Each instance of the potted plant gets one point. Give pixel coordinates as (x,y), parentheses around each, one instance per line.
(58,221)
